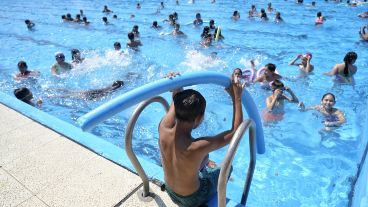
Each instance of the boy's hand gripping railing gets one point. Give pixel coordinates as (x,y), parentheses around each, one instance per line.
(226,164)
(128,142)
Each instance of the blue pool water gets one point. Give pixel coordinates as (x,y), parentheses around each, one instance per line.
(303,164)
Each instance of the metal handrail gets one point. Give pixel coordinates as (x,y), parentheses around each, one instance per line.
(226,164)
(128,139)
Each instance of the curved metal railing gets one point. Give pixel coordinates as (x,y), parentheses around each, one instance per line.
(129,135)
(226,164)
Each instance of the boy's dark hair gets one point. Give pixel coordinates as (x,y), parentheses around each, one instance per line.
(271,67)
(27,21)
(189,104)
(131,35)
(21,93)
(22,64)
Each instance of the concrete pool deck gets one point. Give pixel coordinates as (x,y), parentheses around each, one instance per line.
(39,167)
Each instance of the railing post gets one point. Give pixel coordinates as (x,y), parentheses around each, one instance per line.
(128,142)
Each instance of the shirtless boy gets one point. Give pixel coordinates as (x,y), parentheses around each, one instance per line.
(182,155)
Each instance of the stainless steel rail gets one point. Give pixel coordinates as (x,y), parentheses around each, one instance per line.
(128,140)
(226,163)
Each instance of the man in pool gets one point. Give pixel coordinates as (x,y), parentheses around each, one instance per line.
(60,66)
(25,95)
(182,155)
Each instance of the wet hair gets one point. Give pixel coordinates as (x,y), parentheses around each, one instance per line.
(27,21)
(135,27)
(131,35)
(263,11)
(319,14)
(117,44)
(277,84)
(78,16)
(206,30)
(349,58)
(212,21)
(271,67)
(198,15)
(63,16)
(104,19)
(22,64)
(115,16)
(326,94)
(74,52)
(189,104)
(154,23)
(235,13)
(241,72)
(68,15)
(22,93)
(85,19)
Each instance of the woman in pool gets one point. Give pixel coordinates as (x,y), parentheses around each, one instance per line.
(305,65)
(344,71)
(319,19)
(333,117)
(24,73)
(275,102)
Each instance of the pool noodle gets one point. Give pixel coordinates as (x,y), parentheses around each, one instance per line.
(218,33)
(135,96)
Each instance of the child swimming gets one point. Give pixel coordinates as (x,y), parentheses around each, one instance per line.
(333,117)
(275,102)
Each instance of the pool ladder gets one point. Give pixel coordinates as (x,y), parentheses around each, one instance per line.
(145,195)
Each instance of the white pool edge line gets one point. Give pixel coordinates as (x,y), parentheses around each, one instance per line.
(85,139)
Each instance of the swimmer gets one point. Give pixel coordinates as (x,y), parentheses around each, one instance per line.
(313,3)
(76,57)
(345,71)
(305,65)
(299,1)
(133,43)
(253,11)
(176,31)
(135,31)
(85,21)
(278,18)
(333,117)
(25,95)
(268,76)
(77,18)
(60,66)
(24,73)
(319,19)
(117,46)
(162,6)
(69,17)
(207,40)
(29,24)
(212,24)
(63,18)
(269,7)
(275,102)
(93,93)
(263,15)
(138,6)
(363,34)
(363,15)
(198,20)
(175,16)
(106,10)
(236,15)
(205,32)
(171,20)
(105,21)
(155,25)
(115,16)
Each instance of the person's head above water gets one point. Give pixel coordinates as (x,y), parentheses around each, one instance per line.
(349,58)
(319,14)
(22,66)
(59,56)
(131,36)
(75,53)
(23,94)
(154,24)
(198,15)
(117,46)
(189,105)
(271,67)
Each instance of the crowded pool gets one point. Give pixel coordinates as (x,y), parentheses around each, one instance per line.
(304,165)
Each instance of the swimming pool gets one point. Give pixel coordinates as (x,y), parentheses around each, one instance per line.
(303,165)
